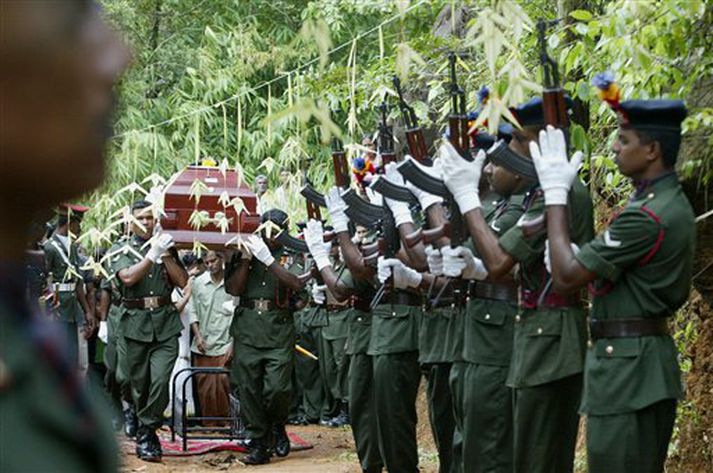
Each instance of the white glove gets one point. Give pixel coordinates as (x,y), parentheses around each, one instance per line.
(161,243)
(462,177)
(319,293)
(314,237)
(400,210)
(435,260)
(404,277)
(548,260)
(425,199)
(259,250)
(103,333)
(554,171)
(460,261)
(337,207)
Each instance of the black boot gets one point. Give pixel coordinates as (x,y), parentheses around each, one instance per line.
(259,455)
(146,449)
(130,422)
(282,441)
(342,418)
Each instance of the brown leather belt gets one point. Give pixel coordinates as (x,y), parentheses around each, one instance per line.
(403,298)
(552,300)
(494,291)
(624,328)
(153,302)
(363,305)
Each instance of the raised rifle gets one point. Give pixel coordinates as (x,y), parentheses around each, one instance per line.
(386,148)
(414,133)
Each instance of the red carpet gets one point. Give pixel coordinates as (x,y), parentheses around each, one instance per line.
(201,446)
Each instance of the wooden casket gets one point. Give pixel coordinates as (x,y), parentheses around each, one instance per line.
(204,205)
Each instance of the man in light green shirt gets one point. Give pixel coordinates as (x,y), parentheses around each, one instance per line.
(210,315)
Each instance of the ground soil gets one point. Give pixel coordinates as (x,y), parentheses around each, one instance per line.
(333,452)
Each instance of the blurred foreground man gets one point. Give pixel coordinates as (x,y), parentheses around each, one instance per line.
(47,422)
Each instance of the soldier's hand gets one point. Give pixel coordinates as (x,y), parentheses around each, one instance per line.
(314,237)
(554,171)
(425,199)
(259,250)
(434,258)
(403,276)
(462,177)
(547,259)
(103,333)
(319,294)
(337,208)
(160,244)
(460,262)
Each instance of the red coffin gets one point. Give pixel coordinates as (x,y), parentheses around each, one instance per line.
(179,205)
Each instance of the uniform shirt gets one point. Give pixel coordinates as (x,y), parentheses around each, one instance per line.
(549,343)
(359,322)
(47,420)
(644,263)
(64,266)
(145,325)
(273,328)
(488,333)
(212,308)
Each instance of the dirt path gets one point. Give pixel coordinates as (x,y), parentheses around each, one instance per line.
(333,452)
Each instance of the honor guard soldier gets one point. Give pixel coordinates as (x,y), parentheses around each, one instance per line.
(358,292)
(550,328)
(148,269)
(264,338)
(63,266)
(639,273)
(48,422)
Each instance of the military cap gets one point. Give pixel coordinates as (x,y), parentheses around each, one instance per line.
(663,115)
(71,211)
(531,112)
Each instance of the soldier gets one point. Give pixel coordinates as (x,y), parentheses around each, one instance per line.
(358,291)
(48,421)
(116,379)
(334,363)
(264,339)
(147,272)
(63,266)
(550,332)
(639,270)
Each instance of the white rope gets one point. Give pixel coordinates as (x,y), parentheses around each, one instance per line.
(271,81)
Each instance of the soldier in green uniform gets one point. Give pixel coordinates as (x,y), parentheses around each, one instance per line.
(550,332)
(639,270)
(47,420)
(147,272)
(345,286)
(116,379)
(63,266)
(483,402)
(264,334)
(333,360)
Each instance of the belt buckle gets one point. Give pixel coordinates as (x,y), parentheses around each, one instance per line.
(151,302)
(262,305)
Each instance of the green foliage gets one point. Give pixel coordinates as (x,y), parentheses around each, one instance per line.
(254,84)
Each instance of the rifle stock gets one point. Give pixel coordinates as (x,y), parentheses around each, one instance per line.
(414,133)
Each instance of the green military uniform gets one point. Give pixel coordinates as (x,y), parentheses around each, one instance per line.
(63,266)
(362,406)
(334,363)
(150,334)
(308,393)
(264,333)
(394,348)
(549,344)
(643,262)
(116,378)
(47,421)
(484,402)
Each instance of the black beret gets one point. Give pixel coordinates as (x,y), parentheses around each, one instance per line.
(276,216)
(662,115)
(531,113)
